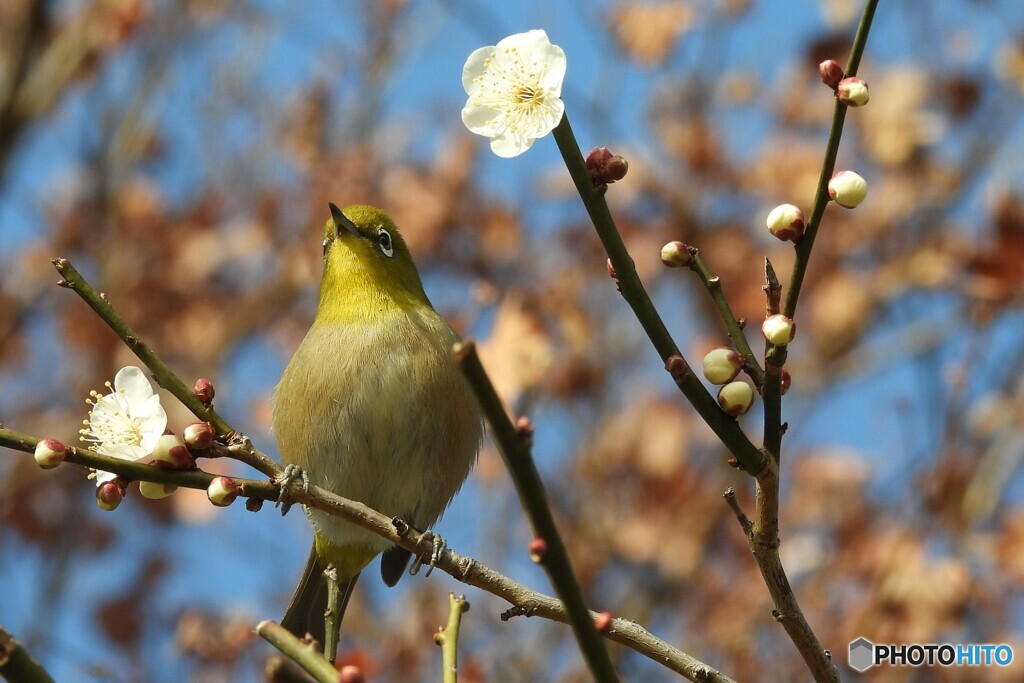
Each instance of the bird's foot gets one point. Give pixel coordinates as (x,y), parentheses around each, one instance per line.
(435,554)
(290,474)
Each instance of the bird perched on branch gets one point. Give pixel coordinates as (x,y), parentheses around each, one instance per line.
(372,406)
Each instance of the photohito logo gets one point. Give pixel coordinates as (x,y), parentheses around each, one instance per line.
(864,654)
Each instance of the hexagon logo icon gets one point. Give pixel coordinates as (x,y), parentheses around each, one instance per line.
(862,654)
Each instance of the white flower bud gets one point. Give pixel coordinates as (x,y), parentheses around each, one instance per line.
(848,189)
(49,453)
(778,329)
(156,491)
(171,453)
(853,92)
(676,254)
(786,222)
(222,491)
(721,365)
(736,398)
(199,435)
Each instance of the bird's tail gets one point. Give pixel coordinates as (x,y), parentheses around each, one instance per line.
(306,610)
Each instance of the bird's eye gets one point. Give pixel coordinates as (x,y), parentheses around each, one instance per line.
(384,242)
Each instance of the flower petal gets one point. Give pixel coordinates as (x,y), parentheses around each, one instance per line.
(152,423)
(133,385)
(525,42)
(103,477)
(551,117)
(508,145)
(475,66)
(554,73)
(480,120)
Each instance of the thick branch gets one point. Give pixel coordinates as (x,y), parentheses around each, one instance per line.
(762,537)
(464,569)
(17,664)
(515,451)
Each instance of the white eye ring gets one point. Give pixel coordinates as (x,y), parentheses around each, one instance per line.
(387,247)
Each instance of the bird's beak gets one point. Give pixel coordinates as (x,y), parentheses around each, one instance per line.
(340,221)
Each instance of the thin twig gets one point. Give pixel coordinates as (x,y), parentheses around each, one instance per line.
(74,281)
(300,652)
(714,286)
(448,638)
(165,377)
(821,198)
(751,460)
(462,568)
(332,621)
(515,451)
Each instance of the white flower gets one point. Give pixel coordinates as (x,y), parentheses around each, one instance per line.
(127,422)
(515,90)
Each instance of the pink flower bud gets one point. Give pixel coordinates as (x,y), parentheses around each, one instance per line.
(784,381)
(156,491)
(204,391)
(170,453)
(676,254)
(736,398)
(848,189)
(222,491)
(603,622)
(721,365)
(109,495)
(538,549)
(853,92)
(605,167)
(49,453)
(615,169)
(831,73)
(778,329)
(786,222)
(199,435)
(677,367)
(350,674)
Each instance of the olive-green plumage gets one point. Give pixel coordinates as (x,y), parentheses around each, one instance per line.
(372,406)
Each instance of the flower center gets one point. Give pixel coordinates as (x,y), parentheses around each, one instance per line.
(526,94)
(109,423)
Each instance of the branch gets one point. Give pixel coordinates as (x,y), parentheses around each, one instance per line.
(763,534)
(164,376)
(17,664)
(515,451)
(448,638)
(97,301)
(714,286)
(300,652)
(465,569)
(726,428)
(765,549)
(821,198)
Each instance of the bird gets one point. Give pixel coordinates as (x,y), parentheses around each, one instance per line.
(372,407)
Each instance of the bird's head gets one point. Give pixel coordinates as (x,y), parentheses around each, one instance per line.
(367,266)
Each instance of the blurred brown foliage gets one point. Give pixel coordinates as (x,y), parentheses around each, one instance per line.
(915,538)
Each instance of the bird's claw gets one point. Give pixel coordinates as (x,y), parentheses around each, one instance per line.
(435,554)
(289,475)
